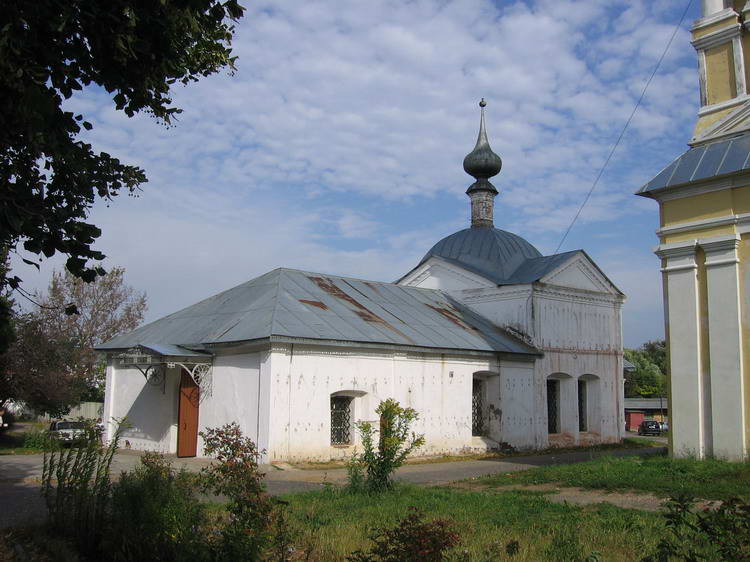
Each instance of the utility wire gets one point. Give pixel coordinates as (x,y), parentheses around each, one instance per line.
(625,128)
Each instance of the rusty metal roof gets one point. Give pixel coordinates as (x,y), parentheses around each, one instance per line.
(313,306)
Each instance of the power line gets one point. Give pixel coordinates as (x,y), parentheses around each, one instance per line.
(625,128)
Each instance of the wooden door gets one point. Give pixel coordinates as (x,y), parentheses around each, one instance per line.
(187,432)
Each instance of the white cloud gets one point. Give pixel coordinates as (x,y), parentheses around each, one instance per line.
(337,146)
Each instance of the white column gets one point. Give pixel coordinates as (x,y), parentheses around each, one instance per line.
(681,304)
(739,66)
(712,6)
(725,344)
(108,411)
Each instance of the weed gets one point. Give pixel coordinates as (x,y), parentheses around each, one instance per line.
(412,540)
(76,488)
(372,469)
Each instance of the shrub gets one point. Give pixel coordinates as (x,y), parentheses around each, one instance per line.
(156,515)
(372,469)
(412,539)
(721,534)
(236,476)
(76,488)
(38,439)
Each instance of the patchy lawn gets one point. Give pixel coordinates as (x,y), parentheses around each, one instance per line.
(627,443)
(13,442)
(332,523)
(660,475)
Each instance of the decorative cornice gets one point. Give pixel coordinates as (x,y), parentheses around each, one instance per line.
(717,37)
(719,243)
(591,274)
(738,179)
(569,294)
(676,249)
(722,105)
(714,18)
(727,125)
(704,224)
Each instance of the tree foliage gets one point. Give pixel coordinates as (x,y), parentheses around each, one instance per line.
(52,364)
(135,51)
(647,380)
(106,308)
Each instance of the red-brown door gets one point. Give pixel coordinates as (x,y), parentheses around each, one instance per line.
(187,432)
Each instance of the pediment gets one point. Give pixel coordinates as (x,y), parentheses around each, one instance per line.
(436,273)
(580,272)
(736,122)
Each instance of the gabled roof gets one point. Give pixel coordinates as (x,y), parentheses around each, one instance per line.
(312,306)
(700,163)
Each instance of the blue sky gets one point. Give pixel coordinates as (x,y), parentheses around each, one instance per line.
(337,145)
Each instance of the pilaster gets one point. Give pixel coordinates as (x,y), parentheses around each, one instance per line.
(725,341)
(681,299)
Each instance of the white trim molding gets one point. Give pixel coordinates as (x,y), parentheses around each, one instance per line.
(740,221)
(718,37)
(713,18)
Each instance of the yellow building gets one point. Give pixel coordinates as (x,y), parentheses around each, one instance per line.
(704,235)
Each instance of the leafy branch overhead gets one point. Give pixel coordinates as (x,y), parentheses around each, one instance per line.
(135,51)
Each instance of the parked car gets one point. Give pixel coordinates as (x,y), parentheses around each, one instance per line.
(649,427)
(68,432)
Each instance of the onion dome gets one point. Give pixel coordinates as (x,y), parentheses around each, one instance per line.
(482,162)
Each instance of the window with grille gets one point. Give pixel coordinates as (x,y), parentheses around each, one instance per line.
(477,409)
(341,418)
(553,406)
(582,408)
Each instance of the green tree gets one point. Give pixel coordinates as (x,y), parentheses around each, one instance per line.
(136,52)
(52,364)
(657,353)
(647,380)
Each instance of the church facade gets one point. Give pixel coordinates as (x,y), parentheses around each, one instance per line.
(493,344)
(704,247)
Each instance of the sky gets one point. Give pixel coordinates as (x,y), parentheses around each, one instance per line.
(337,146)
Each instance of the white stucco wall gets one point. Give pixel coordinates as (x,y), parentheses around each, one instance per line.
(439,387)
(152,411)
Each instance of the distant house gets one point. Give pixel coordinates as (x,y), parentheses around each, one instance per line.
(639,409)
(490,341)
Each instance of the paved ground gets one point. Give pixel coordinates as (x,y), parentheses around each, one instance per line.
(20,476)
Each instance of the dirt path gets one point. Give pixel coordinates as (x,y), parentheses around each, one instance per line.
(582,496)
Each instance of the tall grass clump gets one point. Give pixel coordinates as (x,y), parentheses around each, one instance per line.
(156,515)
(76,487)
(371,471)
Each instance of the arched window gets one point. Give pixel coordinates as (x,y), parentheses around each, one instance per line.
(553,406)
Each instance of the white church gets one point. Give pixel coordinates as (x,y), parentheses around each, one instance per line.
(493,344)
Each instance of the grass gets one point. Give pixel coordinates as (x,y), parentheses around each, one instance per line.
(12,443)
(660,475)
(627,443)
(332,523)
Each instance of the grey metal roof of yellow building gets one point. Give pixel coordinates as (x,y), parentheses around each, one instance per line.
(312,306)
(700,163)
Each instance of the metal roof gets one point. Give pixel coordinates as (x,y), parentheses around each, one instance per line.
(169,350)
(702,163)
(313,306)
(490,252)
(646,403)
(627,365)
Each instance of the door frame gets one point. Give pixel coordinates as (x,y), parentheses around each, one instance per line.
(188,402)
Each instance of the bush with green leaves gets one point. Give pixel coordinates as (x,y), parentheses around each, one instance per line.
(156,515)
(412,539)
(712,534)
(39,439)
(371,470)
(236,476)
